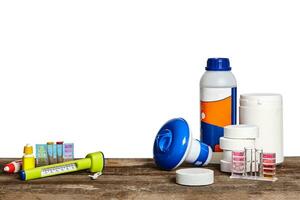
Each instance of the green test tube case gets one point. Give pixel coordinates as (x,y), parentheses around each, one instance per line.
(94,162)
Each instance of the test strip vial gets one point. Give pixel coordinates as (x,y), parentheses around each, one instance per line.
(68,151)
(59,150)
(51,152)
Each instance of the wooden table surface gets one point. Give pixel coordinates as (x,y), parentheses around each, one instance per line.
(140,179)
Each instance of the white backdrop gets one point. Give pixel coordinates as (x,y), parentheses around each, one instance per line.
(107,74)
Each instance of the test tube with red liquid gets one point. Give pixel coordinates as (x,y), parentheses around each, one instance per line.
(238,163)
(269,164)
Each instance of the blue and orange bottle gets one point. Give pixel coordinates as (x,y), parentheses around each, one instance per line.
(218,101)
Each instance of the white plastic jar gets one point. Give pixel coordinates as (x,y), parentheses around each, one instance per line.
(264,111)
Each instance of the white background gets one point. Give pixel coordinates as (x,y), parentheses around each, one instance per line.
(107,74)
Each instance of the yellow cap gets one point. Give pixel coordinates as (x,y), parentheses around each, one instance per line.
(50,142)
(28,149)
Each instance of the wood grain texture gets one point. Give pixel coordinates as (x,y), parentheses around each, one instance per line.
(140,179)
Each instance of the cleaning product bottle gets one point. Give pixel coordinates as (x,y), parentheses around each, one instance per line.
(217,103)
(28,158)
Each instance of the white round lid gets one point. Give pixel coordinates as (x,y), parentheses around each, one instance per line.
(241,131)
(194,176)
(236,144)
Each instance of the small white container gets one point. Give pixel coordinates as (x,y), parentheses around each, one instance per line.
(236,137)
(241,131)
(264,111)
(236,144)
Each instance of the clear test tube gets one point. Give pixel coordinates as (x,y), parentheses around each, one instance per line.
(258,162)
(249,162)
(238,163)
(269,164)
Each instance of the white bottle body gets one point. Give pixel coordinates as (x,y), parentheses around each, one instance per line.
(218,102)
(218,79)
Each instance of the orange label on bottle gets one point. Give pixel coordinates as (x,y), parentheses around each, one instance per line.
(217,113)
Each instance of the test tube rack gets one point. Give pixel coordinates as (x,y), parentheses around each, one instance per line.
(253,164)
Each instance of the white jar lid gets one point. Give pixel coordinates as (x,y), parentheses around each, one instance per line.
(225,166)
(241,131)
(236,144)
(261,99)
(194,176)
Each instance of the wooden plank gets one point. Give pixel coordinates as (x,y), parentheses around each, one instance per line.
(140,179)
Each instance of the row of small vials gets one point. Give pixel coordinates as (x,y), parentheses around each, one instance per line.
(52,153)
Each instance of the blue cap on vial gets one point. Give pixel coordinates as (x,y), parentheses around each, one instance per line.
(218,64)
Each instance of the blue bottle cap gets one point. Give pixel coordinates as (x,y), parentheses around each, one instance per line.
(218,64)
(171,144)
